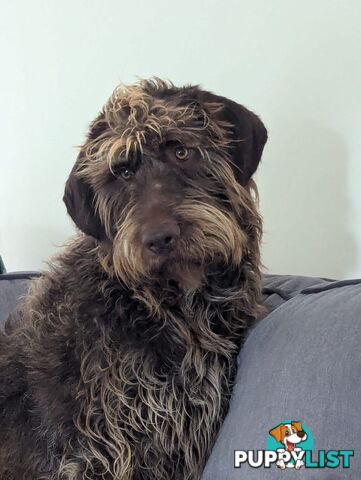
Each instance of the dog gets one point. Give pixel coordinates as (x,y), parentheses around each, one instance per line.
(119,364)
(290,435)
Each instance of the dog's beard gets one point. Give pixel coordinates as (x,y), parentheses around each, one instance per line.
(184,266)
(189,276)
(187,270)
(213,237)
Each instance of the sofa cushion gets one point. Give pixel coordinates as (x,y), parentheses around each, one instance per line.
(277,289)
(302,362)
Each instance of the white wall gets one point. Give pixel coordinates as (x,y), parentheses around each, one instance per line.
(297,64)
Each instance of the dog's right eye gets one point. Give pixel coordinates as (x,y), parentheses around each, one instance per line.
(122,171)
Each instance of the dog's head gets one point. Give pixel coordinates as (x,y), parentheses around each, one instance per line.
(289,434)
(163,181)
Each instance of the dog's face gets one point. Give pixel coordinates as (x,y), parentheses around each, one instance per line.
(162,181)
(290,434)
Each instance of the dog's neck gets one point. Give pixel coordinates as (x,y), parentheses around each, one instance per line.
(217,283)
(225,296)
(221,307)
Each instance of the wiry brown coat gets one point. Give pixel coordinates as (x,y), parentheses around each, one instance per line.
(119,365)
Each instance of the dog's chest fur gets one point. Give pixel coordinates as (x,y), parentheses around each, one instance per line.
(124,392)
(117,390)
(159,390)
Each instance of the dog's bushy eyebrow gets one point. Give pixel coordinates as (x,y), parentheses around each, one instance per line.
(174,139)
(131,161)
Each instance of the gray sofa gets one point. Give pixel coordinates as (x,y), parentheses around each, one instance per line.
(301,363)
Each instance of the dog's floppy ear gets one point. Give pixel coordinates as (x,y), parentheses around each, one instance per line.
(79,196)
(249,136)
(276,433)
(79,200)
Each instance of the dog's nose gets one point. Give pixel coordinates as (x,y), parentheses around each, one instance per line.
(301,433)
(161,238)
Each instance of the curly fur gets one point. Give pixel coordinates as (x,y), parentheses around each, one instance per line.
(120,366)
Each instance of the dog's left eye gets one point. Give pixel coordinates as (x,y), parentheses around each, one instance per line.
(181,152)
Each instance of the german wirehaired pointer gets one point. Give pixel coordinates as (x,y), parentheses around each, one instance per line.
(119,364)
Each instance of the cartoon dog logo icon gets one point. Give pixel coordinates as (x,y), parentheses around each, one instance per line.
(290,435)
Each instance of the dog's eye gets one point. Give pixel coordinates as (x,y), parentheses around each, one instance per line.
(122,171)
(125,173)
(181,152)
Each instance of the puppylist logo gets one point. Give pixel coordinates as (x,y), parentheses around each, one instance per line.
(290,445)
